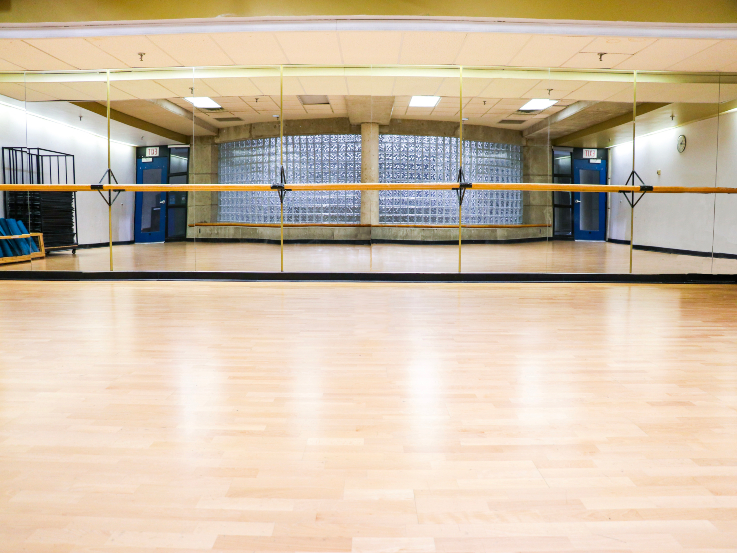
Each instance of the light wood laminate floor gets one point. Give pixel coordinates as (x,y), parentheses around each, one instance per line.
(531,257)
(162,417)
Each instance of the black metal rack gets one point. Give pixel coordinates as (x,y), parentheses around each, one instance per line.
(52,213)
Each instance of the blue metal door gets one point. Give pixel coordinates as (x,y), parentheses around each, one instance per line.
(150,221)
(589,208)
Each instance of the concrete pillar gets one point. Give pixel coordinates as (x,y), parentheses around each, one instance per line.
(202,207)
(370,172)
(537,207)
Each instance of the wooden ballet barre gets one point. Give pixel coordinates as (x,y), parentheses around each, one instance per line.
(352,225)
(304,187)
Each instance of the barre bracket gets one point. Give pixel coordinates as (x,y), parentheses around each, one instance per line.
(462,186)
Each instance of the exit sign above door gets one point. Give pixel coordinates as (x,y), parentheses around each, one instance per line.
(589,153)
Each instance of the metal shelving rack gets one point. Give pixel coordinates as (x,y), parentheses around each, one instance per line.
(54,214)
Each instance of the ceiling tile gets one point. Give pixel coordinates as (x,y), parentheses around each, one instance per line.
(77,52)
(549,50)
(192,50)
(414,86)
(324,85)
(7,66)
(127,49)
(425,48)
(232,86)
(251,48)
(143,89)
(311,47)
(664,53)
(600,90)
(183,87)
(617,45)
(29,57)
(370,86)
(270,85)
(370,47)
(591,61)
(490,48)
(722,55)
(509,88)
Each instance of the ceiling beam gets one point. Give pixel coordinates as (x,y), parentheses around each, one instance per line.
(369,109)
(171,107)
(545,124)
(131,121)
(642,109)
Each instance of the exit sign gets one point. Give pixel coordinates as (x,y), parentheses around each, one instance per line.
(589,153)
(154,152)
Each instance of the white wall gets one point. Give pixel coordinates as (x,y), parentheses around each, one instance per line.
(20,128)
(680,221)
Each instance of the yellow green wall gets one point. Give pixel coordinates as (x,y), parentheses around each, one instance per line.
(681,11)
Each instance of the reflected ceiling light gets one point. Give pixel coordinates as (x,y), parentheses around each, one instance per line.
(424,101)
(538,104)
(203,102)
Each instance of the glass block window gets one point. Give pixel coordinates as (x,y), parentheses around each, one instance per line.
(435,159)
(329,158)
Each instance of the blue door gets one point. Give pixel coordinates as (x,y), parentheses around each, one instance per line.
(589,208)
(150,222)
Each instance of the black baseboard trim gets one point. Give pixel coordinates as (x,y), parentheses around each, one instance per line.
(675,251)
(368,277)
(104,244)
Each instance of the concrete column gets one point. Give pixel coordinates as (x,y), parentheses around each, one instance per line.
(370,172)
(202,207)
(537,207)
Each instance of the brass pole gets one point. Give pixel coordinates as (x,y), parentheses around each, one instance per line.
(460,151)
(109,168)
(632,204)
(281,163)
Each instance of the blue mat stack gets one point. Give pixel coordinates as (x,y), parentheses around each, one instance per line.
(18,246)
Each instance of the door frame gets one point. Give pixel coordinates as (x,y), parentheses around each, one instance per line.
(159,235)
(578,233)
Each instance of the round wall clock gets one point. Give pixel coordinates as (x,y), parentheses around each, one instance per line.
(681,143)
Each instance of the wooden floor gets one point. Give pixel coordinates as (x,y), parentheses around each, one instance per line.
(193,416)
(531,257)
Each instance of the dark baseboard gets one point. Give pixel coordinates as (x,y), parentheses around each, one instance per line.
(370,277)
(104,244)
(673,250)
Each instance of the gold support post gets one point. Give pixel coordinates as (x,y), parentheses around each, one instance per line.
(109,194)
(460,151)
(632,206)
(281,163)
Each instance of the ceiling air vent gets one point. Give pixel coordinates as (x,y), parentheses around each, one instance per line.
(315,100)
(228,119)
(512,121)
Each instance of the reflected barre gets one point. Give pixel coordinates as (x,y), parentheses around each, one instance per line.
(304,187)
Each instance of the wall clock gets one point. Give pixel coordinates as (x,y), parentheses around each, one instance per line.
(681,143)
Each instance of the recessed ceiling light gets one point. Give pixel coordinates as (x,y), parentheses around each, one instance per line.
(424,101)
(203,102)
(538,104)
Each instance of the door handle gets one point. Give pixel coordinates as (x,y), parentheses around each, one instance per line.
(576,201)
(162,202)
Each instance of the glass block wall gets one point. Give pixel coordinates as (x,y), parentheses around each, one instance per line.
(337,158)
(435,159)
(309,159)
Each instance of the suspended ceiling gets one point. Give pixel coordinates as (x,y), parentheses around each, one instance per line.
(247,100)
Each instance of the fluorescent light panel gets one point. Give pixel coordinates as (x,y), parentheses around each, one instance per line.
(203,102)
(538,104)
(424,101)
